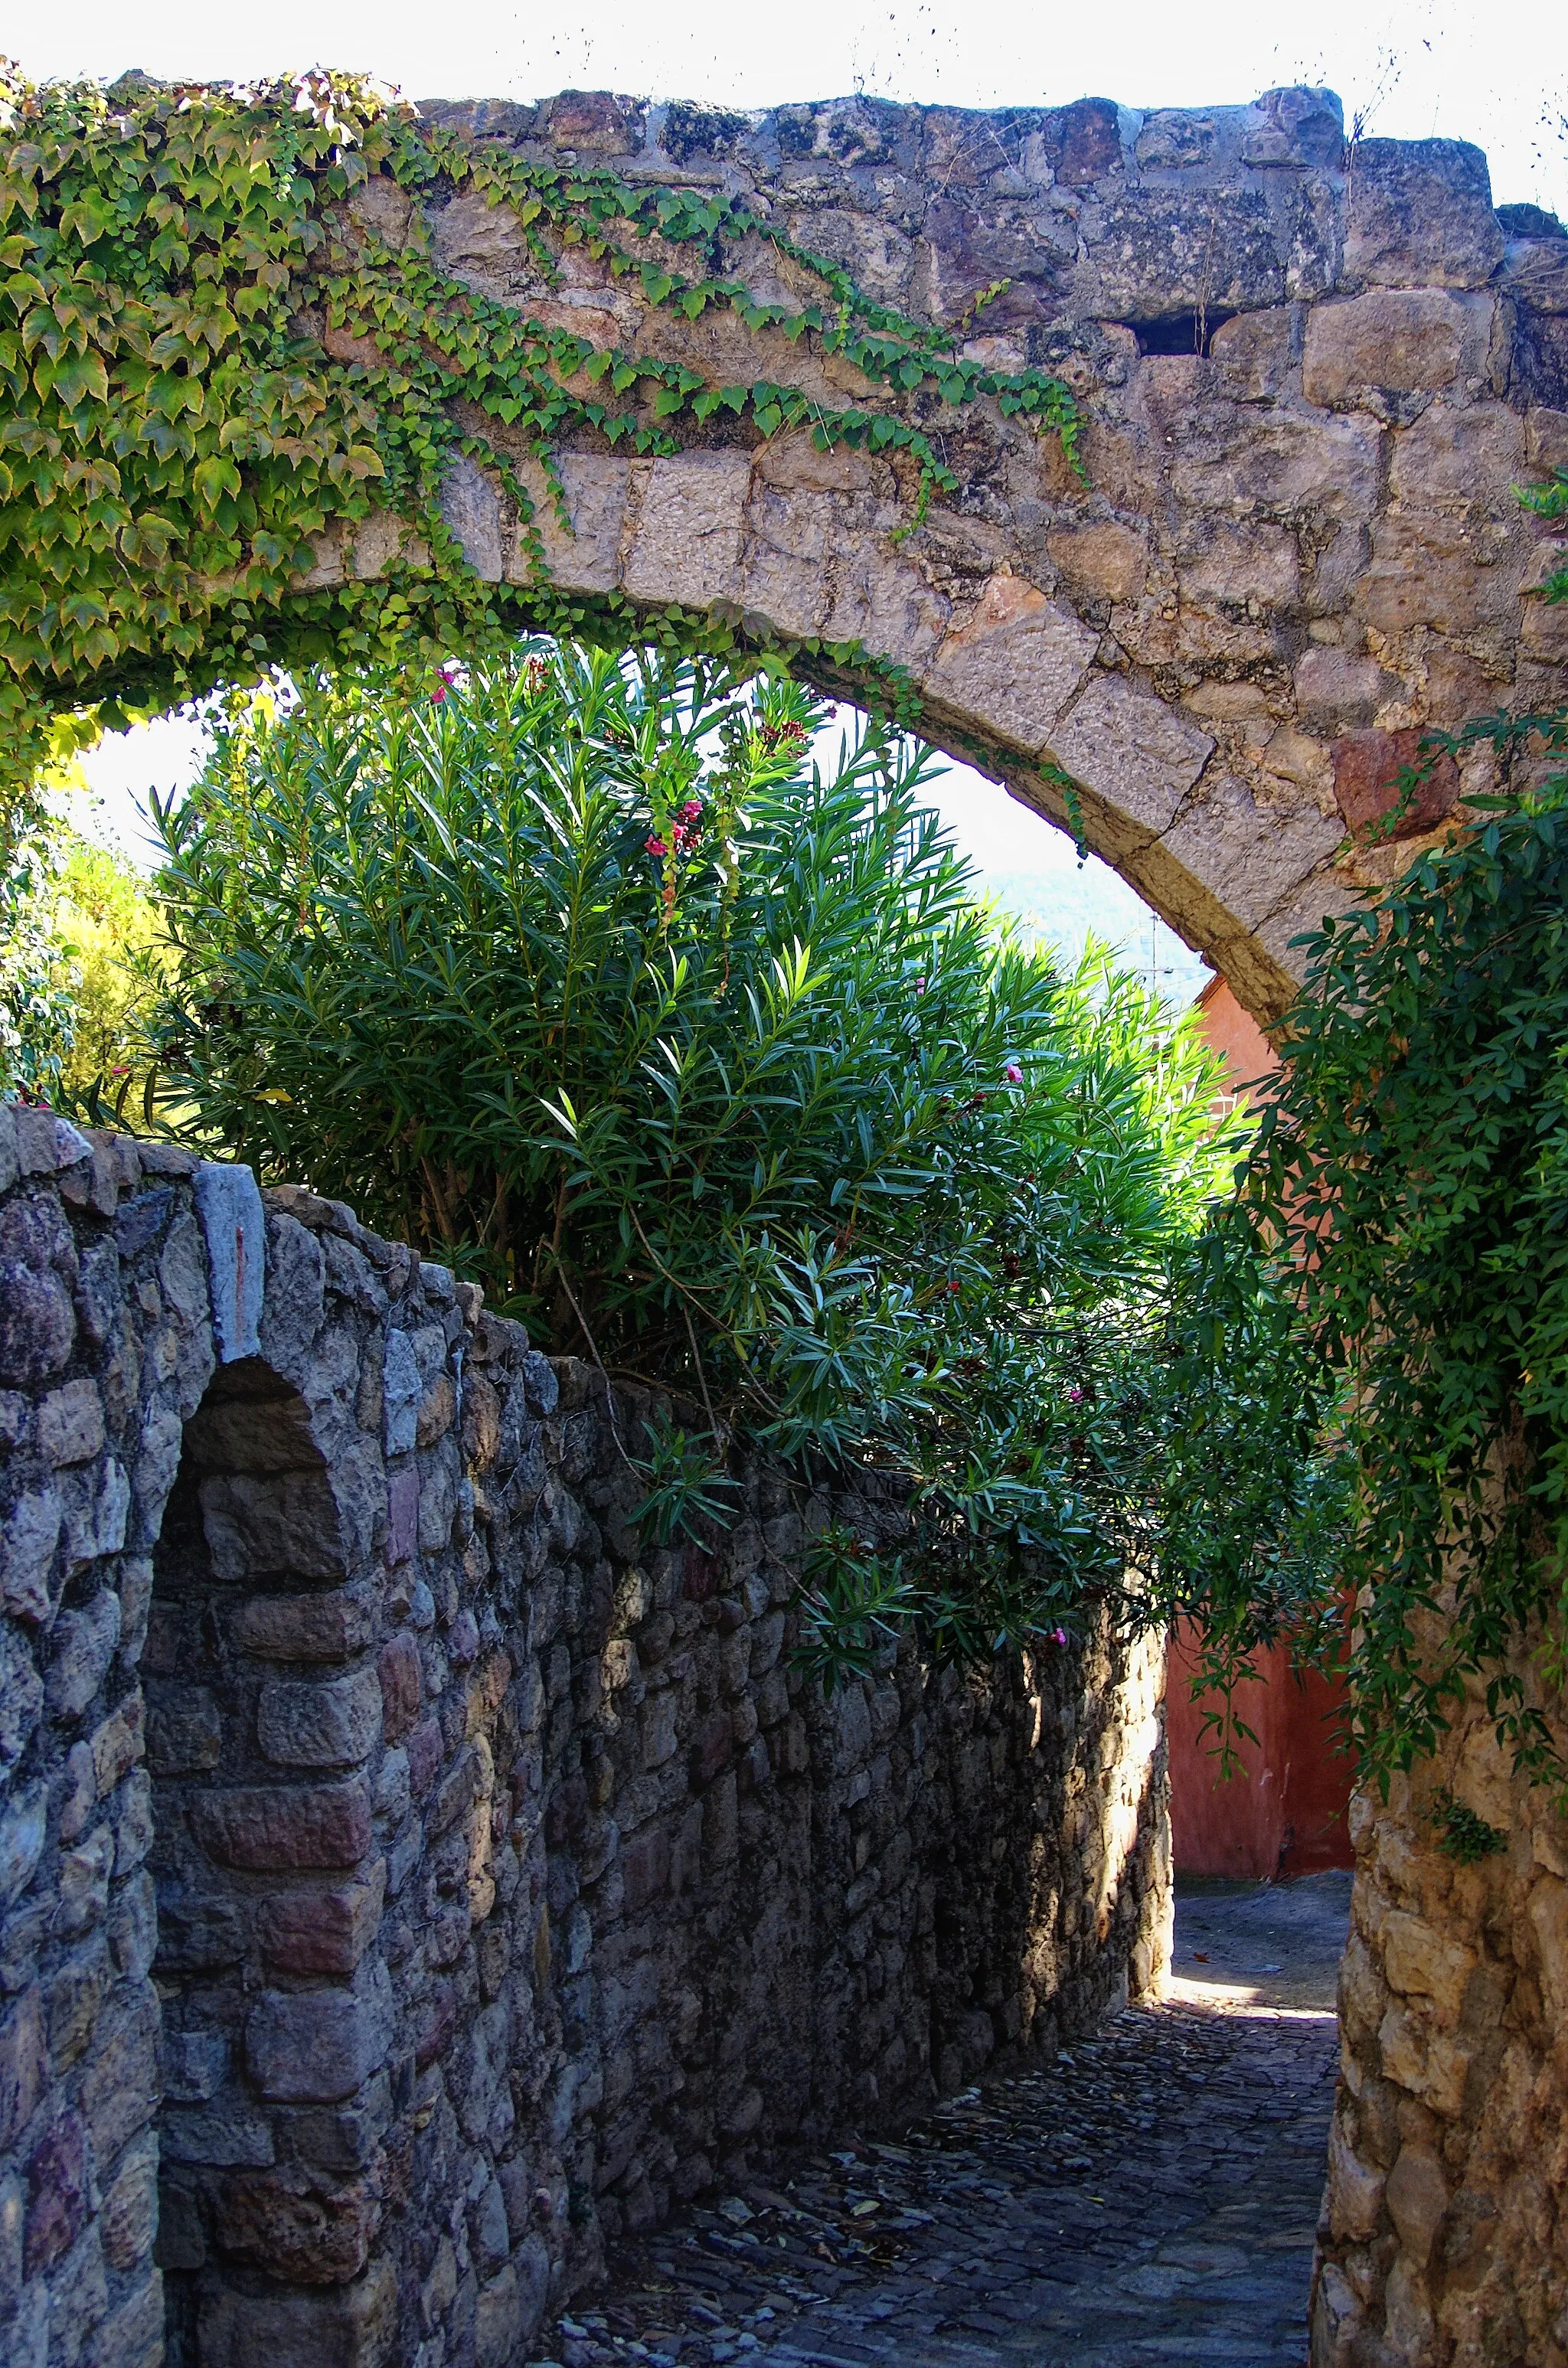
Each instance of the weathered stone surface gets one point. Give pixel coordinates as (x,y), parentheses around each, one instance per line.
(1402,340)
(282,1827)
(233,1227)
(1419,215)
(346,2327)
(401,1685)
(316,2046)
(687,540)
(1366,770)
(322,1931)
(1133,750)
(317,1627)
(286,1526)
(331,1723)
(1013,665)
(296,2235)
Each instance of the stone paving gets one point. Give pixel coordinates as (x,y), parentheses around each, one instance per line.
(1148,2200)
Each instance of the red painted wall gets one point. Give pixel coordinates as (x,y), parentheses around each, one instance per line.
(1284,1812)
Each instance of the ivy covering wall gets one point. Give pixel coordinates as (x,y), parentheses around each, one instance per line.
(172,261)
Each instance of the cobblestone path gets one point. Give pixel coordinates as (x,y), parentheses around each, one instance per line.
(1149,2199)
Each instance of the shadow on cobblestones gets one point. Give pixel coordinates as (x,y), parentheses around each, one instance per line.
(1147,2200)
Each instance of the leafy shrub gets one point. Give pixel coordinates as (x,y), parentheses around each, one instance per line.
(707,1061)
(1413,1170)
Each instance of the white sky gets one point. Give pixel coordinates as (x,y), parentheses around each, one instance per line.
(1410,69)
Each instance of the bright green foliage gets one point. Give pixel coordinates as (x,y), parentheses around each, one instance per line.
(709,1065)
(172,263)
(1415,1168)
(36,979)
(79,968)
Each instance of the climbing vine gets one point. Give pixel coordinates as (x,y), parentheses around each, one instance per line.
(1412,1166)
(213,347)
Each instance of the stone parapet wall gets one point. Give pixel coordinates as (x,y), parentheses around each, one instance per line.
(408,1880)
(1445,2231)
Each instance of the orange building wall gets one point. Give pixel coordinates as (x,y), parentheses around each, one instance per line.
(1284,1813)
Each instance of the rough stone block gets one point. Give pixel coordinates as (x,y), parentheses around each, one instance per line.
(195,2065)
(83,1646)
(322,1931)
(498,2328)
(1367,768)
(37,1327)
(132,2333)
(57,2194)
(687,540)
(121,2085)
(118,1744)
(403,1516)
(24,2065)
(1420,216)
(401,1685)
(278,1827)
(233,1227)
(1011,669)
(28,1542)
(331,1626)
(184,1729)
(426,1751)
(266,1528)
(351,2326)
(1403,340)
(94,1501)
(298,2235)
(71,1424)
(1131,749)
(318,2046)
(1336,689)
(331,1723)
(131,2208)
(23,1825)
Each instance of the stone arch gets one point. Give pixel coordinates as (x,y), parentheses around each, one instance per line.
(263,1706)
(1312,376)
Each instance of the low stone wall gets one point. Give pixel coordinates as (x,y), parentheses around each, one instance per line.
(1445,2232)
(407,1882)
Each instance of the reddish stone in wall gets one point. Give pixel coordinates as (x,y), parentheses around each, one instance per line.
(402,1686)
(1367,768)
(306,2239)
(56,2193)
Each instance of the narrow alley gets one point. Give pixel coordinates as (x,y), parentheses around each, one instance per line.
(1150,2198)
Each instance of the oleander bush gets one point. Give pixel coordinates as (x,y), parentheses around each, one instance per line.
(589,975)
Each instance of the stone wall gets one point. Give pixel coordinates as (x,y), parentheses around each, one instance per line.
(1445,2234)
(408,1882)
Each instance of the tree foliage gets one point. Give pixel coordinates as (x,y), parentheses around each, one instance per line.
(707,1060)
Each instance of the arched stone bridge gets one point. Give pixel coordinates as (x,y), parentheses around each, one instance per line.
(1313,376)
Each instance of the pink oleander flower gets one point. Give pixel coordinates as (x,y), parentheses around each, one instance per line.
(1059,1635)
(655,847)
(1074,1396)
(1013,1074)
(691,813)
